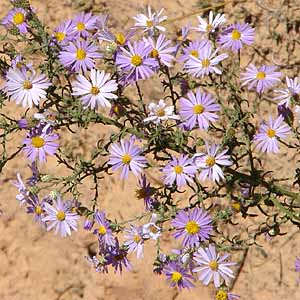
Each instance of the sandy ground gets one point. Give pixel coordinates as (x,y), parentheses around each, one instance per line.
(40,266)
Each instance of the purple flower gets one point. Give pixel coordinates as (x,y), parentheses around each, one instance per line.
(39,143)
(206,63)
(178,276)
(63,33)
(292,91)
(193,49)
(210,162)
(120,39)
(58,215)
(267,138)
(194,226)
(16,17)
(146,192)
(83,24)
(221,294)
(105,234)
(23,192)
(36,208)
(179,170)
(262,78)
(297,267)
(134,61)
(134,240)
(22,123)
(198,109)
(126,155)
(234,36)
(213,266)
(79,56)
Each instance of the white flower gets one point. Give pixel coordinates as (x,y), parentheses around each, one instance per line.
(96,91)
(212,23)
(151,230)
(26,87)
(160,112)
(151,21)
(292,90)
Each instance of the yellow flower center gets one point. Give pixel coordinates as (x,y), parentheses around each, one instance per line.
(136,60)
(37,142)
(101,230)
(176,276)
(194,53)
(95,90)
(120,38)
(27,85)
(137,238)
(161,112)
(80,26)
(141,193)
(153,229)
(205,63)
(213,265)
(60,216)
(192,227)
(209,27)
(261,75)
(149,23)
(38,210)
(18,18)
(60,36)
(210,161)
(271,133)
(80,54)
(126,159)
(235,35)
(178,169)
(154,53)
(236,206)
(198,109)
(221,295)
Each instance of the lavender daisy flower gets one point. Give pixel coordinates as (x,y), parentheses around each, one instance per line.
(146,192)
(150,22)
(19,63)
(134,240)
(26,87)
(267,138)
(212,24)
(119,38)
(36,208)
(60,217)
(16,17)
(193,49)
(23,192)
(151,230)
(161,50)
(126,155)
(79,56)
(213,266)
(234,36)
(206,63)
(221,294)
(263,77)
(297,267)
(96,90)
(199,108)
(160,112)
(211,162)
(83,24)
(179,170)
(135,61)
(63,33)
(178,276)
(194,226)
(38,144)
(292,91)
(103,231)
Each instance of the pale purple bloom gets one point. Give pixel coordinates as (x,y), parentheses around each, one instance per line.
(198,110)
(292,91)
(212,24)
(151,230)
(96,90)
(178,276)
(63,33)
(119,38)
(38,144)
(126,155)
(23,123)
(222,294)
(193,49)
(59,216)
(79,56)
(36,208)
(134,240)
(16,17)
(193,226)
(19,63)
(26,88)
(180,170)
(234,36)
(135,61)
(206,63)
(267,138)
(23,192)
(146,192)
(83,24)
(212,266)
(103,230)
(297,268)
(161,50)
(262,78)
(210,162)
